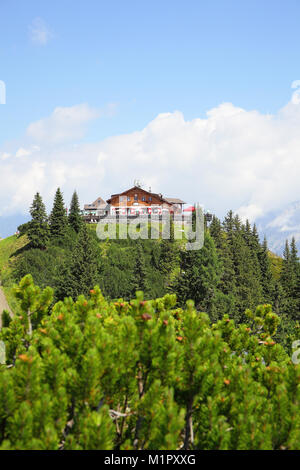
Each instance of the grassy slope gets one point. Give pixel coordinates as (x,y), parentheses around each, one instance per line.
(179,234)
(8,253)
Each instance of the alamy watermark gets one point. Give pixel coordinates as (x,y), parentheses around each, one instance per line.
(189,226)
(2,92)
(296,353)
(2,353)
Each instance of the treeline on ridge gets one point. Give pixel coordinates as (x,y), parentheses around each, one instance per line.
(232,272)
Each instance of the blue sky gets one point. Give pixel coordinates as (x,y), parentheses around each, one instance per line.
(117,66)
(147,56)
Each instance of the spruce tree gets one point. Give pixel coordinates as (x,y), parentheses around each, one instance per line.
(237,223)
(294,259)
(38,229)
(228,225)
(223,236)
(75,219)
(215,231)
(80,273)
(294,280)
(255,236)
(200,275)
(247,275)
(286,271)
(140,281)
(252,241)
(267,280)
(242,256)
(286,267)
(247,232)
(287,281)
(58,218)
(168,254)
(296,263)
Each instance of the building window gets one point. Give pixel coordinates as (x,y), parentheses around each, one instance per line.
(135,197)
(150,198)
(121,198)
(128,198)
(143,198)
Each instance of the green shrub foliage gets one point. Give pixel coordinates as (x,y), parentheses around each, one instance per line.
(94,374)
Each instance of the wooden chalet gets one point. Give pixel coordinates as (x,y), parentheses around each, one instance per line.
(177,204)
(137,200)
(92,212)
(131,203)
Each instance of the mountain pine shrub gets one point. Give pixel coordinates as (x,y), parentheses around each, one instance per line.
(93,374)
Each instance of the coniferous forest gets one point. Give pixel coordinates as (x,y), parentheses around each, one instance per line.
(141,344)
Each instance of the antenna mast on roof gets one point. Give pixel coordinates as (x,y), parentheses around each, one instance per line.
(137,183)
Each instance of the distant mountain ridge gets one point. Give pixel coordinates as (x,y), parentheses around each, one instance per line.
(279,226)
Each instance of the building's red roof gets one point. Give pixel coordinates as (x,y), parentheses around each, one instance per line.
(189,209)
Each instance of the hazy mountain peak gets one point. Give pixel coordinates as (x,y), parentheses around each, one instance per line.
(280,226)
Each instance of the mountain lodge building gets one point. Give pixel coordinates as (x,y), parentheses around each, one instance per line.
(133,201)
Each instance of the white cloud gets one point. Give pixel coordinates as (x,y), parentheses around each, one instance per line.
(22,152)
(232,159)
(39,32)
(4,155)
(64,124)
(250,212)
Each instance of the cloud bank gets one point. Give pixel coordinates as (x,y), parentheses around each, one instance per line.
(231,159)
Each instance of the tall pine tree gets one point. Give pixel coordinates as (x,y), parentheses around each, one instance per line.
(200,276)
(168,254)
(287,280)
(58,218)
(80,273)
(38,229)
(267,280)
(75,219)
(140,272)
(296,266)
(224,246)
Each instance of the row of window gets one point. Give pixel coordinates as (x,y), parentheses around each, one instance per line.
(138,210)
(143,198)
